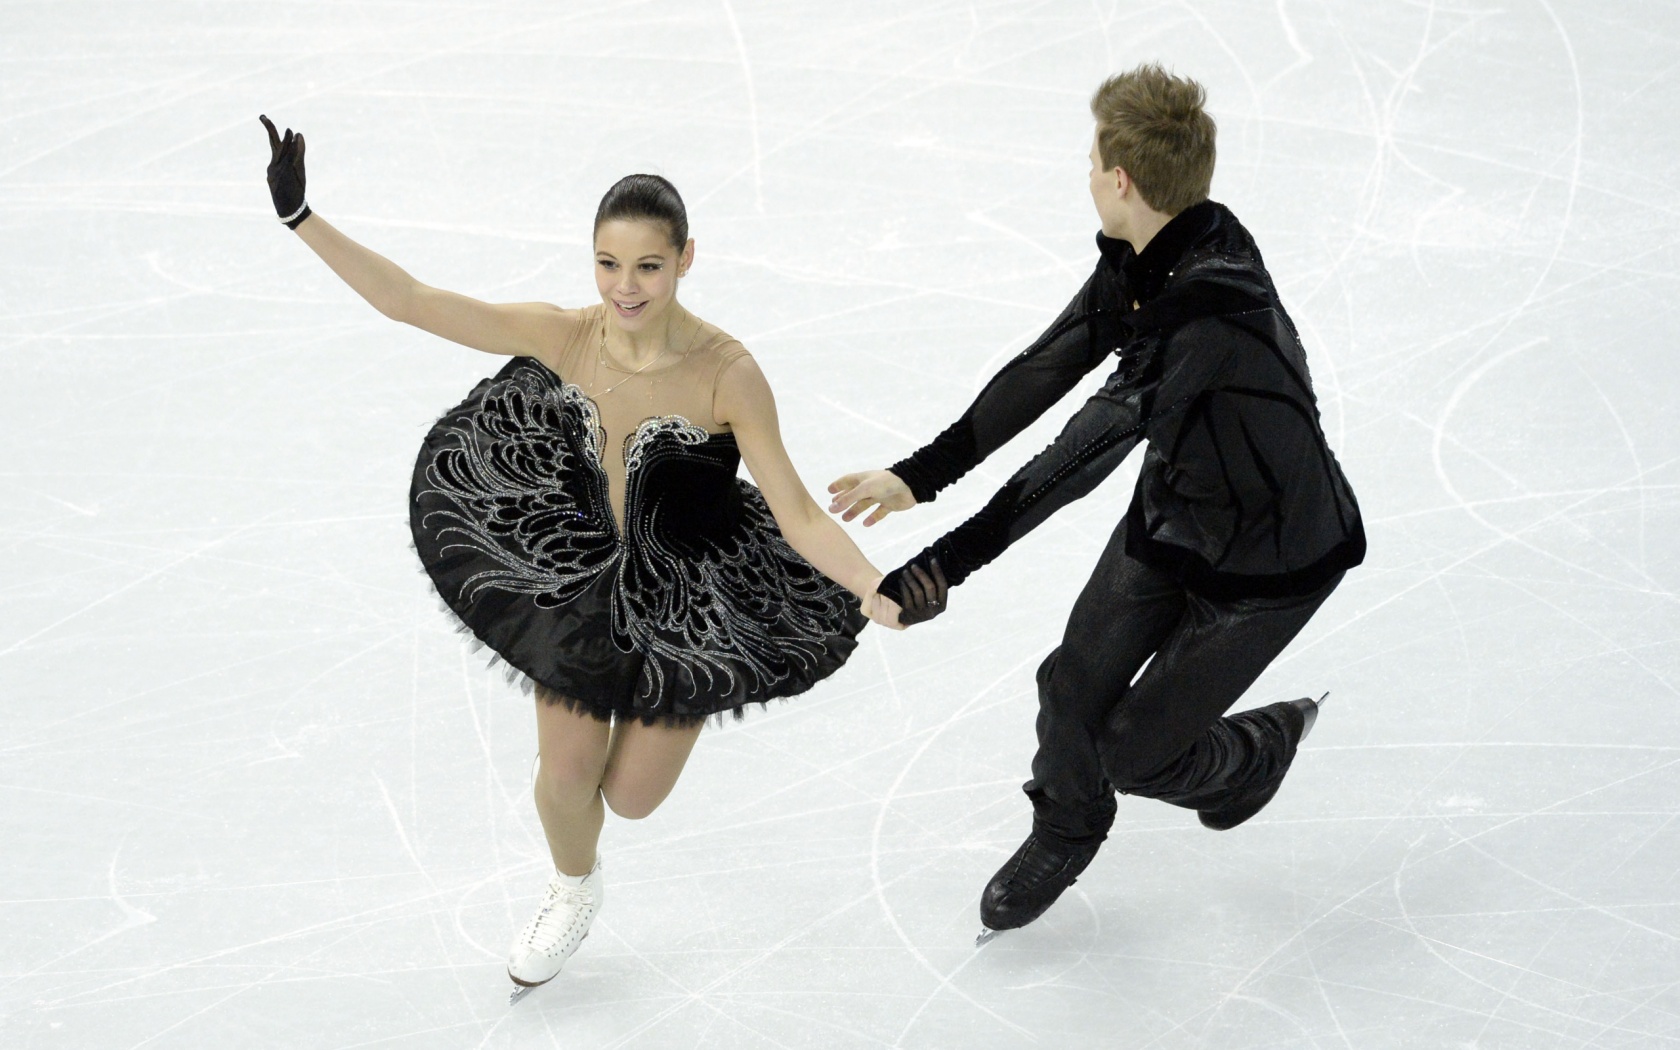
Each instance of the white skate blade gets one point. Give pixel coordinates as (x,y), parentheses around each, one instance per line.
(520,991)
(986,937)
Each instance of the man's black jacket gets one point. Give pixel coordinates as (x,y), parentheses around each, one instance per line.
(1238,496)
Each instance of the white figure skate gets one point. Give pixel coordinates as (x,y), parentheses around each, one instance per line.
(561,923)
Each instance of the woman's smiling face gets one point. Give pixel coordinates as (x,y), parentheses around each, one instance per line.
(636,271)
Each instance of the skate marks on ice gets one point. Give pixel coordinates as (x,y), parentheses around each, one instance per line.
(253,777)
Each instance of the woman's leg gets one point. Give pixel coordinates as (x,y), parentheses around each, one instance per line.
(642,766)
(574,749)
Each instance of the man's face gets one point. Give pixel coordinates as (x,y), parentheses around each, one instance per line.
(1105,193)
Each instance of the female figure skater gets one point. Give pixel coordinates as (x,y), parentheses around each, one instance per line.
(580,513)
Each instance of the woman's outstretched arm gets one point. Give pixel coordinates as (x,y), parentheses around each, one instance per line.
(513,329)
(745,402)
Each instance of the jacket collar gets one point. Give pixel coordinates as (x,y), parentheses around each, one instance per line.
(1147,271)
(1116,253)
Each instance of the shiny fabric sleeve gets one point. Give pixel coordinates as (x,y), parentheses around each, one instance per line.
(1036,378)
(1154,379)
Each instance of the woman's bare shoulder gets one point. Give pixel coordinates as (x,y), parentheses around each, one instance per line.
(719,345)
(560,331)
(740,389)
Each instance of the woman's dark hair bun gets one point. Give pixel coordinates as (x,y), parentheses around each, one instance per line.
(647,198)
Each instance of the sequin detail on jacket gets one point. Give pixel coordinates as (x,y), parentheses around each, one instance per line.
(699,607)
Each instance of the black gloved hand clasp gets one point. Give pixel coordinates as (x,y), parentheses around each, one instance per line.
(285,175)
(924,593)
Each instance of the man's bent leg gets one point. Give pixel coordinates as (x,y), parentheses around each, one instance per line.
(1167,739)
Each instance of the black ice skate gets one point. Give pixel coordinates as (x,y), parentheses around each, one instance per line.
(1276,730)
(1029,882)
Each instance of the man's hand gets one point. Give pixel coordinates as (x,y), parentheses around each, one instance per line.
(879,489)
(924,594)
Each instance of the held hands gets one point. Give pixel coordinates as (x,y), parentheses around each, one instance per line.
(881,489)
(882,492)
(924,594)
(924,598)
(881,609)
(285,175)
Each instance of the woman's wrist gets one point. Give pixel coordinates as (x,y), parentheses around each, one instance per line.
(868,584)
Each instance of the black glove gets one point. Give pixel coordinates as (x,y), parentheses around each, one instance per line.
(923,594)
(285,175)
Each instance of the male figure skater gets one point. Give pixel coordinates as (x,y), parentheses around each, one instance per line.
(1241,524)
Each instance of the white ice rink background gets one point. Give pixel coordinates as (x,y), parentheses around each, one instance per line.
(255,793)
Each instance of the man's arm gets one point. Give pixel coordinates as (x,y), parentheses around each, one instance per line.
(1036,378)
(1153,379)
(1085,333)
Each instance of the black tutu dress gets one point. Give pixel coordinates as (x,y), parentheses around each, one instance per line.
(697,606)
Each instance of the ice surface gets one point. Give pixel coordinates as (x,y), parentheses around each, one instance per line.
(254,793)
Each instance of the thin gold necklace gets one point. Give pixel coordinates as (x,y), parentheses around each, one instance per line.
(601,360)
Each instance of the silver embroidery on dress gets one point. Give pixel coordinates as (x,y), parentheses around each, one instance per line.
(737,616)
(502,481)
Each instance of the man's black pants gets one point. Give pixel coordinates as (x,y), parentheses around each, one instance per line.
(1161,736)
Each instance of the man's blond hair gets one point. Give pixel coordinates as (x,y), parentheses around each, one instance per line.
(1152,124)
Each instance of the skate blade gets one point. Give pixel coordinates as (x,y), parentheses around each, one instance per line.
(520,991)
(986,937)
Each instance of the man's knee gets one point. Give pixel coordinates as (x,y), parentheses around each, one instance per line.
(1047,671)
(1130,758)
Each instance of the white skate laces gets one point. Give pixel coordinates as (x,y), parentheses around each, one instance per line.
(561,923)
